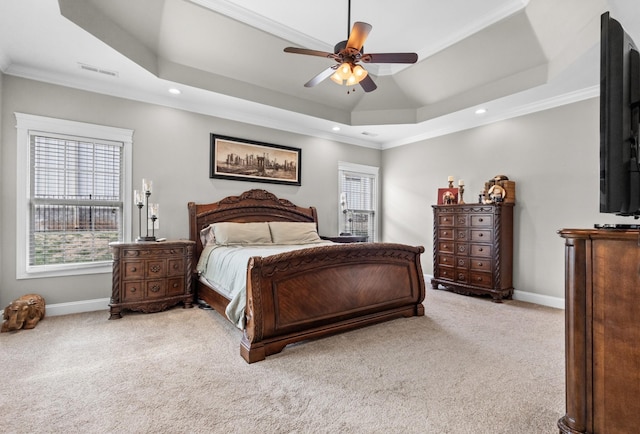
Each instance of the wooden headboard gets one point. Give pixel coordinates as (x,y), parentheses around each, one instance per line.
(251,206)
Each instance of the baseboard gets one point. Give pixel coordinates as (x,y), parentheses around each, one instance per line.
(544,300)
(529,297)
(77,307)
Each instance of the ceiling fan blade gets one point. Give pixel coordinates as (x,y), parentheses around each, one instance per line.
(368,84)
(389,58)
(296,50)
(358,35)
(322,76)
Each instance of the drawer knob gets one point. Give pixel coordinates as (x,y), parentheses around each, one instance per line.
(133,289)
(481,235)
(480,264)
(175,266)
(446,233)
(133,269)
(155,288)
(480,220)
(175,285)
(155,268)
(481,249)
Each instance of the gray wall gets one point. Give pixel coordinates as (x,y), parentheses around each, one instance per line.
(171,147)
(551,155)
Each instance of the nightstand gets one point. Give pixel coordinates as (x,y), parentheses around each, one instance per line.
(151,276)
(347,238)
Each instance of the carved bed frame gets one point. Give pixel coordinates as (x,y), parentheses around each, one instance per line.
(314,292)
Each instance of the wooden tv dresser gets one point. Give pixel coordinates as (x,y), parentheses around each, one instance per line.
(473,249)
(602,320)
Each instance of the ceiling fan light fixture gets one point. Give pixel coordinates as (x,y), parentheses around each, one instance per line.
(344,71)
(360,72)
(335,77)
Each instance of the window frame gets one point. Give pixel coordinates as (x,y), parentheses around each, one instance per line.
(28,125)
(362,169)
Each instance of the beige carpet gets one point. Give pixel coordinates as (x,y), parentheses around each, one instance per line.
(468,366)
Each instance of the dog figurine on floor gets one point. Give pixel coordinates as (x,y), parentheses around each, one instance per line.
(25,312)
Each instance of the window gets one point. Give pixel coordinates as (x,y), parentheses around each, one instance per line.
(358,200)
(73,195)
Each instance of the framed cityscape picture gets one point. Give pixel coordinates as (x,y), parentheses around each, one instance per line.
(248,160)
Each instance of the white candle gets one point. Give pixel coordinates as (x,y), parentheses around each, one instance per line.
(450,179)
(461,182)
(147,185)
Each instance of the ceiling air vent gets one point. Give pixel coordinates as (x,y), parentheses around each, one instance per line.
(369,133)
(98,70)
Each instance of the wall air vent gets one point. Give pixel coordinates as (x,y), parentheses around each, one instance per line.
(98,70)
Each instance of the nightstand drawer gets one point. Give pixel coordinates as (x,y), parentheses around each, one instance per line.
(175,285)
(133,291)
(176,267)
(132,270)
(156,288)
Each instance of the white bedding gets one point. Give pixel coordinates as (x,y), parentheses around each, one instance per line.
(225,268)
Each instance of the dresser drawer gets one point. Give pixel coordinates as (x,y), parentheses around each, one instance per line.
(483,250)
(481,235)
(446,260)
(445,273)
(132,270)
(482,220)
(445,246)
(445,219)
(481,264)
(481,279)
(445,234)
(462,276)
(462,249)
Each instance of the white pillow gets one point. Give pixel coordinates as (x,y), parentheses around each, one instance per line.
(294,233)
(206,236)
(241,233)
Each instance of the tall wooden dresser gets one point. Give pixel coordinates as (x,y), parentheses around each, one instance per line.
(473,249)
(602,321)
(150,276)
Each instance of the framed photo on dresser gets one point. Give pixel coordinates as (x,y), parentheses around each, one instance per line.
(447,196)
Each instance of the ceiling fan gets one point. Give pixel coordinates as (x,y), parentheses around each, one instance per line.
(348,54)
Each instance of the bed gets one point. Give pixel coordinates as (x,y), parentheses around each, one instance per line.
(322,289)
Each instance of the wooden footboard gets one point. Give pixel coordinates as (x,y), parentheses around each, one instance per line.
(297,296)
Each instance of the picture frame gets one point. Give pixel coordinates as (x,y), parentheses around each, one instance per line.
(447,196)
(249,160)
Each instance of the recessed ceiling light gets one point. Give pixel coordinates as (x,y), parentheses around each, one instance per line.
(481,111)
(175,91)
(336,128)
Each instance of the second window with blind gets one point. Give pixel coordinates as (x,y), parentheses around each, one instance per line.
(358,186)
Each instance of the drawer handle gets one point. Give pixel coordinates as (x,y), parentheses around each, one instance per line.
(445,219)
(133,289)
(480,264)
(481,249)
(155,268)
(444,260)
(479,279)
(480,220)
(155,288)
(481,235)
(175,266)
(445,247)
(446,233)
(175,285)
(133,269)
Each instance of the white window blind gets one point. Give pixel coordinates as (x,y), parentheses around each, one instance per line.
(358,193)
(76,203)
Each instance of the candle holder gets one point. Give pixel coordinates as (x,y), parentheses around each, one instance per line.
(146,187)
(461,194)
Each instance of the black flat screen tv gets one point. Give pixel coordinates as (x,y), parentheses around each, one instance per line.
(619,120)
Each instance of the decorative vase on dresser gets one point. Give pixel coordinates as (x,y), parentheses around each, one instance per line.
(473,249)
(151,276)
